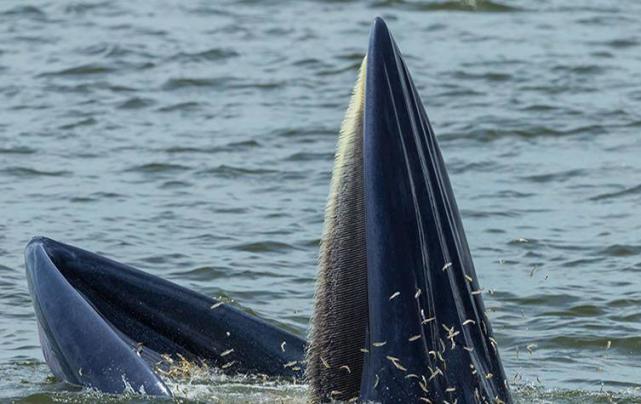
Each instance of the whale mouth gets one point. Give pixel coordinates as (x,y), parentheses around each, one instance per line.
(398,313)
(106,325)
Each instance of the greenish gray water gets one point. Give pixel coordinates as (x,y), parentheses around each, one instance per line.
(194,140)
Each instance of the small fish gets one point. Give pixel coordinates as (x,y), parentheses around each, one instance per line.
(396,362)
(414,337)
(394,295)
(346,368)
(379,344)
(227,352)
(428,320)
(282,346)
(228,364)
(446,266)
(216,305)
(435,373)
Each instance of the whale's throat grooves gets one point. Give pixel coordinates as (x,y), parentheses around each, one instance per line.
(334,357)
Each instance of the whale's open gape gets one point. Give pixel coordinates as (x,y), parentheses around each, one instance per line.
(398,312)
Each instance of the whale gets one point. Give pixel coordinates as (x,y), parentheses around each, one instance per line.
(398,311)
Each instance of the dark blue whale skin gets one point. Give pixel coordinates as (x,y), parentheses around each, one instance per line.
(420,275)
(104,325)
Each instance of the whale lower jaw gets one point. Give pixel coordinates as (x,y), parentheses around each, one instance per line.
(398,314)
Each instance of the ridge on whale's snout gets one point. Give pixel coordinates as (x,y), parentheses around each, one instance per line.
(421,323)
(106,325)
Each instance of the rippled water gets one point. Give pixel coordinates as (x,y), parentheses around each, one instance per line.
(195,140)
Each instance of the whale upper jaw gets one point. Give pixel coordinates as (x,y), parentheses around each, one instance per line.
(397,289)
